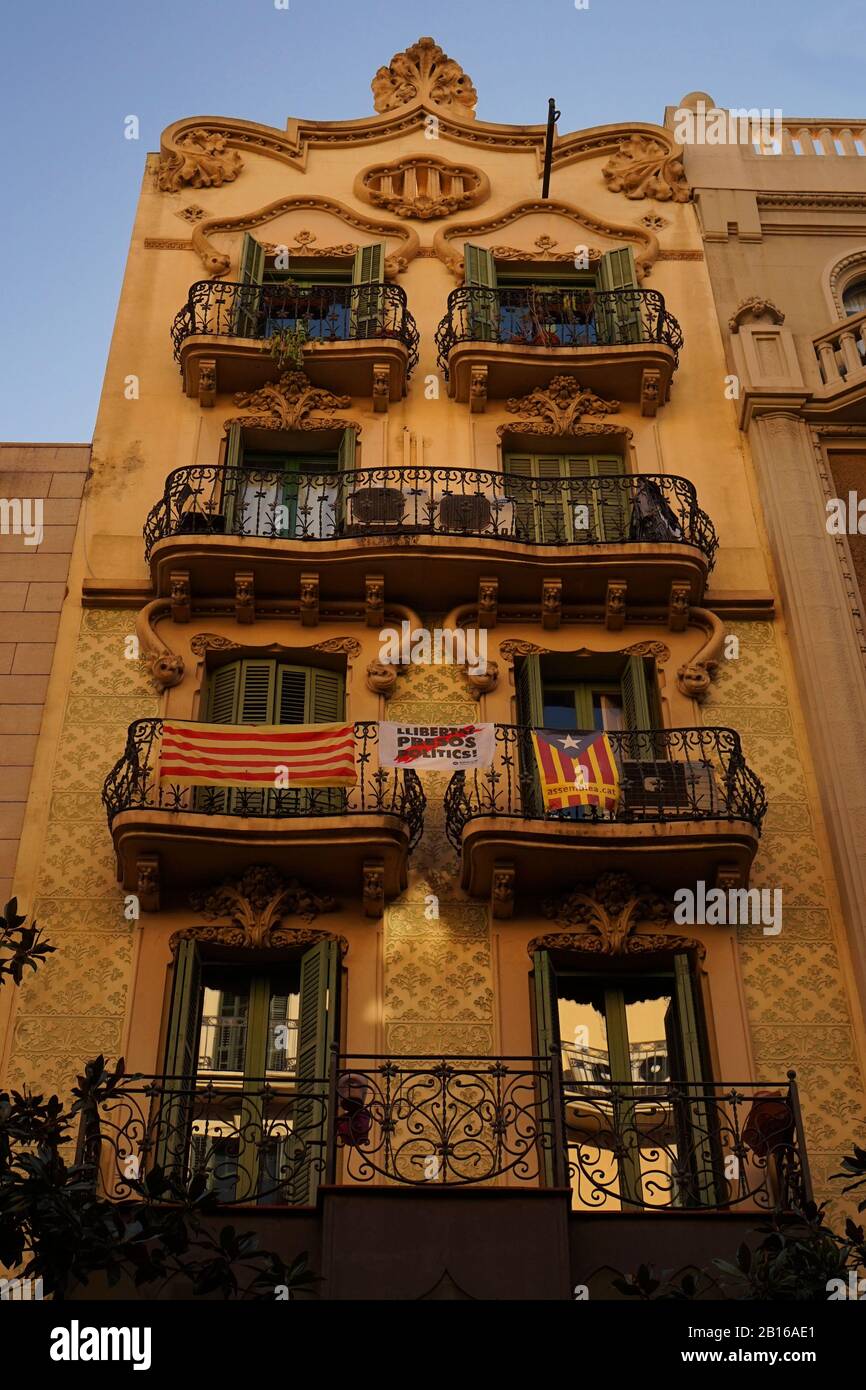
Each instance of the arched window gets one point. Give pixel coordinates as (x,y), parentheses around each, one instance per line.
(854,297)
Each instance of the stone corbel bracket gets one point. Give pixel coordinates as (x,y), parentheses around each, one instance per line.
(166,666)
(695,676)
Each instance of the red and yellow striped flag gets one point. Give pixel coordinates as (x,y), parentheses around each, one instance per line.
(576,770)
(257,755)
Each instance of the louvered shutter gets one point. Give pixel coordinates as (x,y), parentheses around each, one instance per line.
(483,308)
(527,527)
(637,708)
(545,1020)
(367,319)
(610,510)
(220,707)
(181,1062)
(618,318)
(293,683)
(581,499)
(255,706)
(327,697)
(696,1125)
(313,1128)
(247,310)
(233,501)
(530,714)
(623,1097)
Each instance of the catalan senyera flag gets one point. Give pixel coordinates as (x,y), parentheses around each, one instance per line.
(576,770)
(252,755)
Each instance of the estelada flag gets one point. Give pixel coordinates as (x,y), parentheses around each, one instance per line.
(576,770)
(257,755)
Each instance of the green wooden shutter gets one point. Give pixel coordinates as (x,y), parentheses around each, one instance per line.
(583,707)
(346,454)
(248,302)
(530,712)
(181,1061)
(545,1021)
(318,1018)
(697,1124)
(635,695)
(233,488)
(479,269)
(327,700)
(612,505)
(526,525)
(256,701)
(253,1126)
(618,320)
(366,319)
(220,707)
(624,1098)
(293,684)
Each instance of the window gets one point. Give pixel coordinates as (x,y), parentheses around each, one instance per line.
(854,297)
(318,296)
(626,1040)
(254,691)
(560,504)
(241,1036)
(284,494)
(553,308)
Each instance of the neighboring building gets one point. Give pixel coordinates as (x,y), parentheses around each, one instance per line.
(784,232)
(457,1030)
(33,573)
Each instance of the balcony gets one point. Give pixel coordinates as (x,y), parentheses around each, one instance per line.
(646,528)
(841,359)
(347,330)
(515,338)
(325,835)
(447,1123)
(689,806)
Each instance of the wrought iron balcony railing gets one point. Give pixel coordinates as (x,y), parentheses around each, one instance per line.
(448,1121)
(132,785)
(530,316)
(665,775)
(637,508)
(325,313)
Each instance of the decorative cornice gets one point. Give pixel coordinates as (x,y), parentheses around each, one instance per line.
(204,642)
(814,202)
(612,907)
(647,242)
(589,943)
(217,263)
(302,244)
(514,647)
(647,167)
(543,249)
(423,72)
(287,404)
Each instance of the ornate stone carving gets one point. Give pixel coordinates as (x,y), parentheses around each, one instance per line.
(181,598)
(211,642)
(755,310)
(303,244)
(644,167)
(645,242)
(694,678)
(560,408)
(147,882)
(678,607)
(543,249)
(166,669)
(502,887)
(611,907)
(381,679)
(482,682)
(255,904)
(424,73)
(513,647)
(349,645)
(201,158)
(381,387)
(245,597)
(217,262)
(288,404)
(614,605)
(659,650)
(478,390)
(654,221)
(488,601)
(551,603)
(422,186)
(191,213)
(309,600)
(373,887)
(590,944)
(374,599)
(207,382)
(650,391)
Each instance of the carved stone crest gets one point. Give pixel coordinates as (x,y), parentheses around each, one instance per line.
(254,906)
(611,908)
(644,167)
(201,159)
(288,404)
(424,73)
(561,408)
(755,310)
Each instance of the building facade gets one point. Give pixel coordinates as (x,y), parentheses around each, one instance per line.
(454,1032)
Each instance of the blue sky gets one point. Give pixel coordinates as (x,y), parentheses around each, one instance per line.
(73,69)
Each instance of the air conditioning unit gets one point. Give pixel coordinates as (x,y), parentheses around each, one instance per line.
(653,788)
(470,512)
(377,507)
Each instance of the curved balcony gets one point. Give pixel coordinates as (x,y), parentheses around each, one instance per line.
(689,806)
(346,330)
(324,835)
(623,342)
(646,528)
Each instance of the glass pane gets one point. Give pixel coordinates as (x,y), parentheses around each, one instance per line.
(223,1030)
(282,1053)
(559,710)
(606,711)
